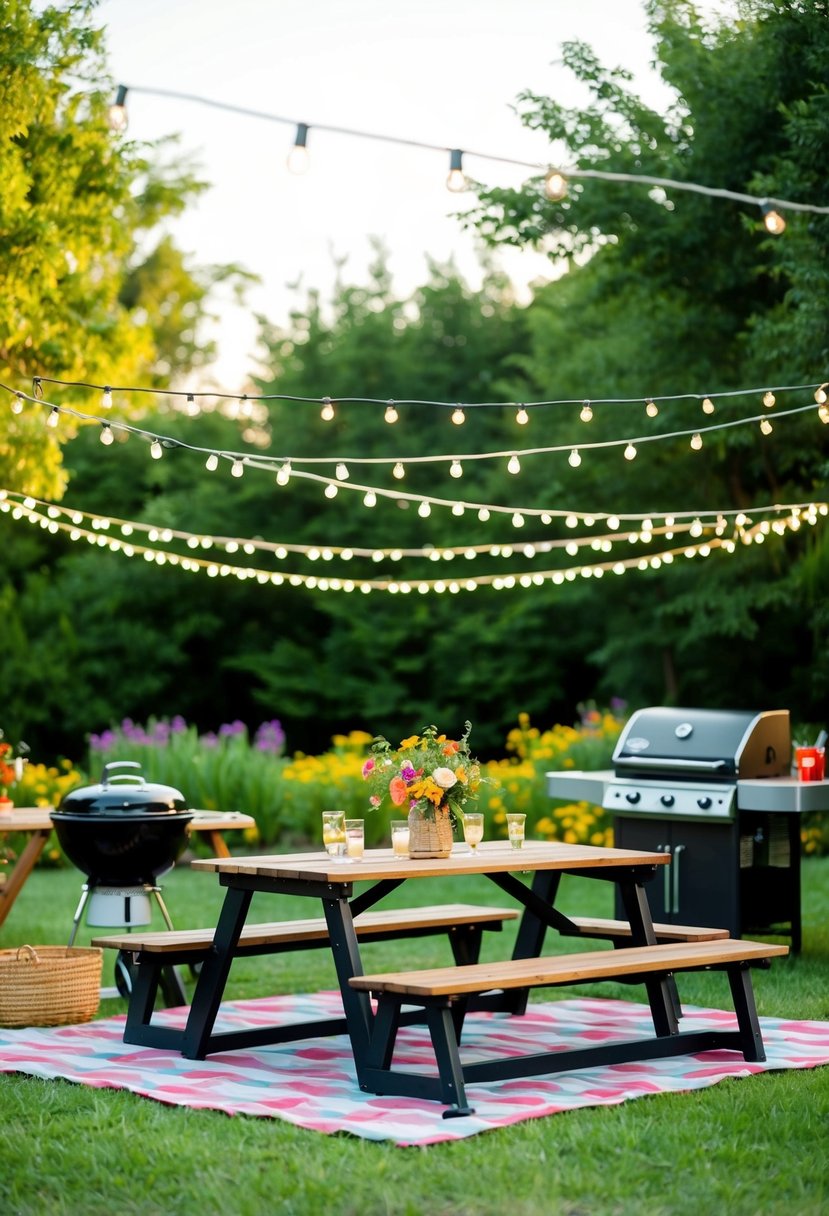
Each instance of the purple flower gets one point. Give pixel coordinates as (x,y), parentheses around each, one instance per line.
(229,729)
(270,737)
(408,773)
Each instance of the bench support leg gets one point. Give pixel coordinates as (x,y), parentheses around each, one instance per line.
(211,983)
(444,1040)
(742,993)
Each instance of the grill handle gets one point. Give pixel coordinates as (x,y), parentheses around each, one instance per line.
(671,765)
(680,848)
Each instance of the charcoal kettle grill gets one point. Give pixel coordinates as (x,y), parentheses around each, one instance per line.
(123,834)
(713,788)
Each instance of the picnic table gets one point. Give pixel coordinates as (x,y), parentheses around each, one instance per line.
(443,996)
(34,823)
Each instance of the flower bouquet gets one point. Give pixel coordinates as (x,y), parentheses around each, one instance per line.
(11,770)
(431,777)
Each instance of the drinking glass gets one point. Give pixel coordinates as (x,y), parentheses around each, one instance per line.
(810,763)
(515,829)
(400,837)
(333,833)
(354,838)
(473,829)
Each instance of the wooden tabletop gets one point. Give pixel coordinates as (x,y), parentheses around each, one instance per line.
(39,819)
(491,857)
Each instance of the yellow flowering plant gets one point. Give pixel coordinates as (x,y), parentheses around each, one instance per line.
(426,772)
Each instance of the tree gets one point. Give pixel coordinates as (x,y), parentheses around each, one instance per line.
(85,294)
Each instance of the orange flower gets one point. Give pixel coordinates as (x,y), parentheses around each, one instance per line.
(398,791)
(451,748)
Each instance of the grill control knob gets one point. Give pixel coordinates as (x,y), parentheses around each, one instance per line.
(667,799)
(703,803)
(633,797)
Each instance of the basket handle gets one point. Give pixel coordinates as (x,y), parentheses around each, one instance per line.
(32,954)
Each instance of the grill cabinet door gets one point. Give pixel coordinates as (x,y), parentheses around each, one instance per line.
(701,886)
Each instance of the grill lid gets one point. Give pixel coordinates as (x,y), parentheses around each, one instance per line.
(704,744)
(123,795)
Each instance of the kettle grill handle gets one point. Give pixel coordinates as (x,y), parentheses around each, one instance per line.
(107,777)
(675,764)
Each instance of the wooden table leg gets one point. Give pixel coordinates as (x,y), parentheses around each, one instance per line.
(21,870)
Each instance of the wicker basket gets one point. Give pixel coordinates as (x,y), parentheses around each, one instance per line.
(49,985)
(430,837)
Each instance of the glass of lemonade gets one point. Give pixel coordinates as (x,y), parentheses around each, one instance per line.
(515,830)
(354,839)
(400,837)
(333,833)
(473,829)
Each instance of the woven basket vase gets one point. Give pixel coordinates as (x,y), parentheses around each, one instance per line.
(430,837)
(49,985)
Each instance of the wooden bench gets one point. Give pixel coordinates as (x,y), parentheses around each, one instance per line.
(154,954)
(618,931)
(444,993)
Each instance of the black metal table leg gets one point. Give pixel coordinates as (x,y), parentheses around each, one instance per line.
(211,983)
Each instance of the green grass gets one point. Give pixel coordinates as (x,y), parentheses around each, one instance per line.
(745,1147)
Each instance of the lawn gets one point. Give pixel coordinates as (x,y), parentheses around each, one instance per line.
(744,1147)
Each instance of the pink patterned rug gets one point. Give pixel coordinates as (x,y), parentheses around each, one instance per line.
(311,1083)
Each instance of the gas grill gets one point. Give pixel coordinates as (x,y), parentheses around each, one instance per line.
(713,789)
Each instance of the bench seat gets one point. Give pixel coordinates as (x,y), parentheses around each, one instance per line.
(154,954)
(445,992)
(619,931)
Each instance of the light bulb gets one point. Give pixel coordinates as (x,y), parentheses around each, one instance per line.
(398,471)
(284,474)
(696,442)
(823,413)
(212,462)
(708,406)
(298,159)
(518,520)
(53,417)
(106,399)
(237,469)
(458,416)
(106,434)
(192,408)
(117,117)
(16,405)
(156,450)
(773,221)
(513,465)
(820,393)
(766,427)
(456,469)
(574,459)
(651,409)
(555,186)
(769,399)
(522,417)
(342,472)
(456,181)
(391,415)
(370,499)
(586,413)
(424,510)
(327,412)
(630,452)
(331,490)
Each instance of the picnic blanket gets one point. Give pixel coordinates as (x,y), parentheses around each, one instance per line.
(311,1083)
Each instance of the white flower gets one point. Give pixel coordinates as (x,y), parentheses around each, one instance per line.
(444,777)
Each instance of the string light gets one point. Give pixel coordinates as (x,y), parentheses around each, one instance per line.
(212,462)
(156,450)
(773,221)
(298,159)
(630,452)
(708,406)
(327,412)
(555,186)
(391,415)
(117,116)
(513,464)
(342,471)
(284,474)
(586,413)
(651,408)
(823,413)
(16,405)
(820,393)
(237,468)
(398,471)
(456,181)
(522,417)
(769,399)
(107,436)
(696,441)
(53,417)
(574,459)
(370,499)
(456,469)
(458,416)
(106,398)
(766,426)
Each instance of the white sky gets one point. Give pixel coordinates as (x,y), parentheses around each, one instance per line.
(443,72)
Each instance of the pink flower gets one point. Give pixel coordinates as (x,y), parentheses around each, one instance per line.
(368,767)
(374,800)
